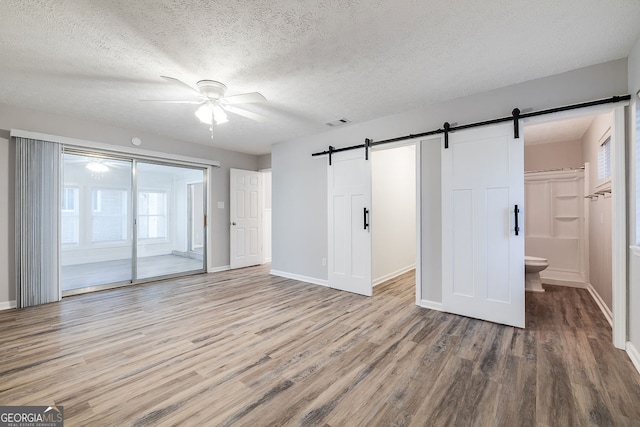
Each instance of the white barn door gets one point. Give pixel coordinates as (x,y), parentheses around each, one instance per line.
(482,253)
(245,215)
(349,191)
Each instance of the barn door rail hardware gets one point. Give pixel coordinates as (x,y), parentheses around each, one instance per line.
(516,116)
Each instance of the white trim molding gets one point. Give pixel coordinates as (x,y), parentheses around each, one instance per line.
(113,148)
(619,232)
(300,278)
(634,355)
(219,269)
(392,275)
(7,305)
(603,307)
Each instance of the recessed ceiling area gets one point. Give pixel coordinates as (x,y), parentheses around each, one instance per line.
(313,61)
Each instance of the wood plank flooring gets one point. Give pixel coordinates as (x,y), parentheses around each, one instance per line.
(248,349)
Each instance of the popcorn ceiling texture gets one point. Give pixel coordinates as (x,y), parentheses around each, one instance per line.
(315,61)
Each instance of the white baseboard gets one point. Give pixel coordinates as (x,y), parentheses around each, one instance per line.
(634,355)
(390,276)
(7,305)
(603,307)
(219,269)
(300,278)
(432,305)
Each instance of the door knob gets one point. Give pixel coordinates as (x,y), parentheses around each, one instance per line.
(233,223)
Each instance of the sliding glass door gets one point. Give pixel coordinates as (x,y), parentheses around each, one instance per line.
(166,220)
(95,227)
(128,220)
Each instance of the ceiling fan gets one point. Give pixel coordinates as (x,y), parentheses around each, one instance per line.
(213,104)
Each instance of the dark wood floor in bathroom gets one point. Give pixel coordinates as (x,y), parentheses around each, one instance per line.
(247,348)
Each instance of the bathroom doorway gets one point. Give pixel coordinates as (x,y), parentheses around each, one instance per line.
(568,210)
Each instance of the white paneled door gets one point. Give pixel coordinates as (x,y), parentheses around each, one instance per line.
(482,251)
(349,191)
(245,215)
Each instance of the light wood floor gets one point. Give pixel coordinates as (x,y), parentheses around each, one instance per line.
(245,348)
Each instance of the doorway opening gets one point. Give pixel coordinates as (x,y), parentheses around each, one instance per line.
(393,218)
(568,211)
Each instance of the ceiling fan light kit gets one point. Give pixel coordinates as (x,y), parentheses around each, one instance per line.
(209,113)
(213,105)
(97,167)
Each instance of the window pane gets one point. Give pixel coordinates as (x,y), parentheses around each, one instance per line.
(109,216)
(152,213)
(604,159)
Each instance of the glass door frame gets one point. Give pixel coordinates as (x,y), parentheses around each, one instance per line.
(135,159)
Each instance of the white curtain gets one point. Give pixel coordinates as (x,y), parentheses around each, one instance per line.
(37,220)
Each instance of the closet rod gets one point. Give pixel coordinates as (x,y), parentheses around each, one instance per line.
(611,100)
(556,170)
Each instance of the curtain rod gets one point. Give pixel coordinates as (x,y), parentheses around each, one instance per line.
(448,128)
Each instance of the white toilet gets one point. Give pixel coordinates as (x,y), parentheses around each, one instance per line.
(532,268)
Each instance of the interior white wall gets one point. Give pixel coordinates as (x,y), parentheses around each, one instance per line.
(554,155)
(300,180)
(634,205)
(12,117)
(393,212)
(600,226)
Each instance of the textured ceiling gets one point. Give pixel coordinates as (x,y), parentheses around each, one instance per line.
(315,61)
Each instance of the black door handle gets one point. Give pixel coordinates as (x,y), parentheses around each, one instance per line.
(516,211)
(366,218)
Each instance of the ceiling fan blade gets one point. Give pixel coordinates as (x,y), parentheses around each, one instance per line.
(244,98)
(244,113)
(183,84)
(169,101)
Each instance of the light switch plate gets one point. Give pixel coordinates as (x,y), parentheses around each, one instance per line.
(220,205)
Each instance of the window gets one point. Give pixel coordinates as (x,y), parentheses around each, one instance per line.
(108,215)
(152,215)
(604,160)
(70,221)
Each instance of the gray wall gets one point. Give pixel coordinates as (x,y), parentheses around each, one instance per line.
(264,161)
(35,121)
(300,180)
(634,200)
